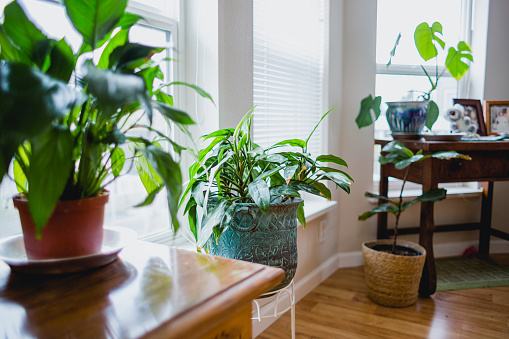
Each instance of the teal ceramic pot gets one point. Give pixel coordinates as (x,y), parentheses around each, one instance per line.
(407,116)
(268,239)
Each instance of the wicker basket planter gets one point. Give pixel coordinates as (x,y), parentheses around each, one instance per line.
(393,280)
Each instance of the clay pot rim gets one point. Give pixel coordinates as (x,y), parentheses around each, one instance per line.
(100,199)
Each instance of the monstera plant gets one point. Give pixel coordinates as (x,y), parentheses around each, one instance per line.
(75,121)
(428,41)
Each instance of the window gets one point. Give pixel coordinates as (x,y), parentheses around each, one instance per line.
(290,40)
(404,79)
(159,29)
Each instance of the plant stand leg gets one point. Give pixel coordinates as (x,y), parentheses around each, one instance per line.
(382,217)
(428,283)
(487,203)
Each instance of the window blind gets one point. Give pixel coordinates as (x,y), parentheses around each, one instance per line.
(290,43)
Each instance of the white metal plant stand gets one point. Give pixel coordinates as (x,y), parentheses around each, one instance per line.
(263,306)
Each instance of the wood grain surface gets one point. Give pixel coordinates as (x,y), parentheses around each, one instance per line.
(151,291)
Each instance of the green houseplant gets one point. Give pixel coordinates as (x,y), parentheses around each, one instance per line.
(428,43)
(73,121)
(243,201)
(393,267)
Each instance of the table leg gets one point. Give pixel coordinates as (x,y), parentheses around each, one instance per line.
(382,217)
(486,207)
(428,283)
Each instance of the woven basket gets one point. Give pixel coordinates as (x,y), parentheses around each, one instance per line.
(392,280)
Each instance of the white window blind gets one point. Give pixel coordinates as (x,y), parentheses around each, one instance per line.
(290,40)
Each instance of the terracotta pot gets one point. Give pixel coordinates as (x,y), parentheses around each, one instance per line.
(74,229)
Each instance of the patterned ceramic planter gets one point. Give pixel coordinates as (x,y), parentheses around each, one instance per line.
(407,116)
(269,239)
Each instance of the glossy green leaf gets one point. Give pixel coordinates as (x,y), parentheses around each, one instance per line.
(381,197)
(197,89)
(169,171)
(454,61)
(290,142)
(368,105)
(62,61)
(393,50)
(259,191)
(131,56)
(212,219)
(289,171)
(324,190)
(332,158)
(341,180)
(283,190)
(425,37)
(22,32)
(301,216)
(407,162)
(119,39)
(431,114)
(50,167)
(94,19)
(172,113)
(151,196)
(318,124)
(304,186)
(117,161)
(436,194)
(148,176)
(387,207)
(450,155)
(8,51)
(396,147)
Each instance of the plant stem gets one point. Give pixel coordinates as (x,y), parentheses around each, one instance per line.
(398,214)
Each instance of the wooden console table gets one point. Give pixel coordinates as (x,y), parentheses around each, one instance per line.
(152,291)
(490,162)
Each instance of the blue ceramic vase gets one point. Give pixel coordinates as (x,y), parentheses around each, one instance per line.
(407,116)
(268,239)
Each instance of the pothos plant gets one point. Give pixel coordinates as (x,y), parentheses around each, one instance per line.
(232,169)
(428,42)
(403,159)
(74,120)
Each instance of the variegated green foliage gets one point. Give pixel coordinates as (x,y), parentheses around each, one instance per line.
(71,135)
(232,169)
(403,158)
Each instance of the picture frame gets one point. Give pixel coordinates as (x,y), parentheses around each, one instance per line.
(497,116)
(475,108)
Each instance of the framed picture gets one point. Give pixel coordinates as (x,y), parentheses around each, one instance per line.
(473,110)
(497,116)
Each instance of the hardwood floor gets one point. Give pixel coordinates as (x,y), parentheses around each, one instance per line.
(340,308)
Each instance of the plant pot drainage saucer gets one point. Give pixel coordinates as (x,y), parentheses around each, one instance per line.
(12,251)
(406,136)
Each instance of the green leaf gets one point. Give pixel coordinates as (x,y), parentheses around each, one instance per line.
(301,216)
(148,176)
(131,56)
(283,190)
(259,191)
(431,114)
(425,36)
(172,113)
(8,50)
(332,158)
(226,133)
(318,124)
(397,148)
(368,104)
(376,196)
(117,161)
(94,19)
(50,167)
(268,173)
(393,51)
(23,33)
(387,207)
(151,196)
(436,194)
(325,192)
(120,39)
(340,179)
(450,155)
(290,142)
(407,162)
(197,89)
(290,171)
(304,186)
(212,219)
(454,63)
(62,61)
(169,171)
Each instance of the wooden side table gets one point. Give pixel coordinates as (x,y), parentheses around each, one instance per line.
(490,162)
(152,291)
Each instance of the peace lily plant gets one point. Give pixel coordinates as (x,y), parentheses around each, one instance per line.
(428,42)
(76,121)
(232,169)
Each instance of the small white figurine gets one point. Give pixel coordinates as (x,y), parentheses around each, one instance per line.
(460,119)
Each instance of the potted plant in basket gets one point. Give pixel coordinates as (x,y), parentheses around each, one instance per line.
(243,201)
(412,116)
(393,267)
(73,121)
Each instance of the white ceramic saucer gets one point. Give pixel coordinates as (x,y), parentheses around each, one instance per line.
(12,251)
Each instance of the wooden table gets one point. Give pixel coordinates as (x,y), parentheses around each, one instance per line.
(152,291)
(490,162)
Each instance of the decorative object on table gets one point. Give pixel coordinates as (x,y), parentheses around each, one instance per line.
(73,120)
(497,116)
(473,110)
(243,201)
(426,41)
(393,268)
(13,253)
(406,116)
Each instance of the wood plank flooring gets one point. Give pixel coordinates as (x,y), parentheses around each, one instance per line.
(340,308)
